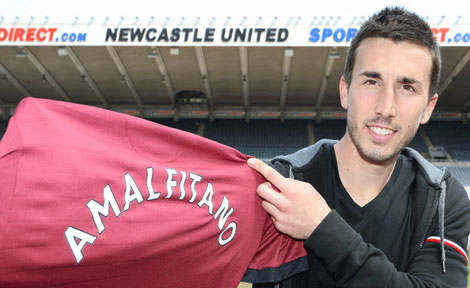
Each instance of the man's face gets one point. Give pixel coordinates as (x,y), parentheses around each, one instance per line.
(388,97)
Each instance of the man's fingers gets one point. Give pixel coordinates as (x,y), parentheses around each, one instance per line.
(269,173)
(270,195)
(270,209)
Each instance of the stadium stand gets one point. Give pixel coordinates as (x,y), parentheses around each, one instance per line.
(454,136)
(3,128)
(188,125)
(330,129)
(268,138)
(463,175)
(418,144)
(259,138)
(462,155)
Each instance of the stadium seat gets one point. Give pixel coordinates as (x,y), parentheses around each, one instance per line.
(463,175)
(188,125)
(259,138)
(330,129)
(454,136)
(3,128)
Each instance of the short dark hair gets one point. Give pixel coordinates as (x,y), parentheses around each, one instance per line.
(398,25)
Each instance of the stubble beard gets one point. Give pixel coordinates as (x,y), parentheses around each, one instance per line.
(377,153)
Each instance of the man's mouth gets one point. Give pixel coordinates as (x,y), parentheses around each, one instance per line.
(381,131)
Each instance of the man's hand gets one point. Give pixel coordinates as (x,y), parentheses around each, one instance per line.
(296,208)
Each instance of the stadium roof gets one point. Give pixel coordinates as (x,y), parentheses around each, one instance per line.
(232,78)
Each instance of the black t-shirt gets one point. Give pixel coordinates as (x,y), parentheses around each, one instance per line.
(384,222)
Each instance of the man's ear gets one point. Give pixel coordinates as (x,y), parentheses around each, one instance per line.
(343,92)
(429,108)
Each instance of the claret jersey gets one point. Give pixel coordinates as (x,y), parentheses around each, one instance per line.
(94,198)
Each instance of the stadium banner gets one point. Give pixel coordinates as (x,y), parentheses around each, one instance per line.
(224,113)
(201,35)
(333,115)
(446,115)
(235,113)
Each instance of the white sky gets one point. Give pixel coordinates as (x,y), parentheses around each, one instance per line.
(63,11)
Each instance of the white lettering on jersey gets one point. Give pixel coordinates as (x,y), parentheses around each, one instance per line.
(96,208)
(152,194)
(222,211)
(170,183)
(128,197)
(232,226)
(207,198)
(71,234)
(195,178)
(183,181)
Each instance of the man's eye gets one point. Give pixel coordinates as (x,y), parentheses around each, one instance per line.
(408,87)
(370,82)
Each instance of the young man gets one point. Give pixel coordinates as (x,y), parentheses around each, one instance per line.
(372,212)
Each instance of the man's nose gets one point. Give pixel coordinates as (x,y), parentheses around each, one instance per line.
(386,103)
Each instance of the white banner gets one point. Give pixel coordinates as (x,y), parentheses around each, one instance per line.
(221,35)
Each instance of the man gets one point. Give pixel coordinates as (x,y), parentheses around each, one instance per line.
(372,212)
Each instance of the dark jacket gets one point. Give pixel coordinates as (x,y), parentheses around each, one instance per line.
(440,225)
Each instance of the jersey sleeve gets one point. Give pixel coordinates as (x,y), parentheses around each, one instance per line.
(278,257)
